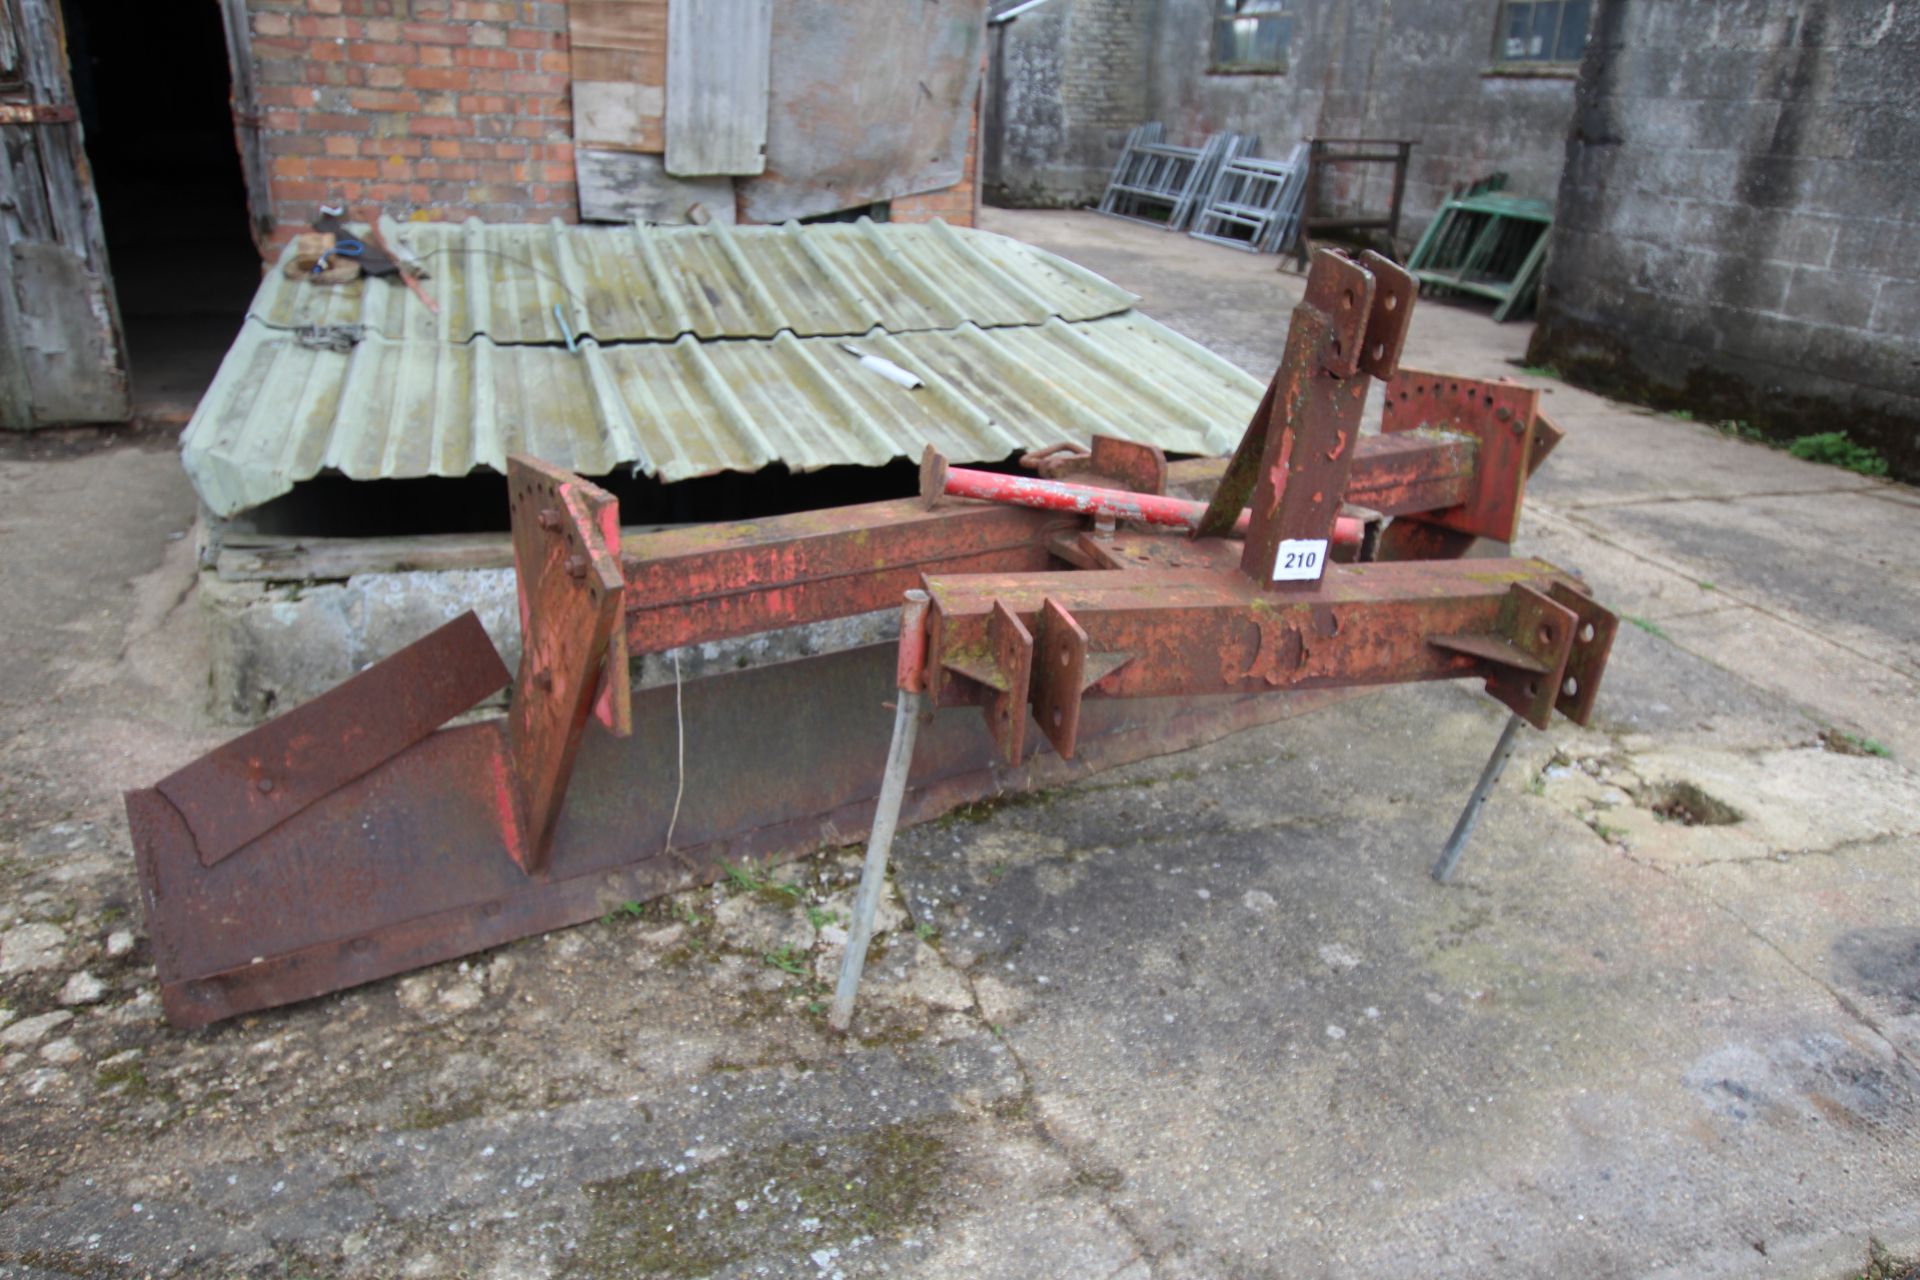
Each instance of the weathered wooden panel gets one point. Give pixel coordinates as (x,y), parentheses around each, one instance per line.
(68,338)
(624,186)
(871,100)
(255,164)
(636,25)
(16,404)
(12,72)
(619,73)
(65,359)
(718,53)
(619,117)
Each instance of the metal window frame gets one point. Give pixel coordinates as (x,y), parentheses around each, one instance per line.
(1215,67)
(1501,62)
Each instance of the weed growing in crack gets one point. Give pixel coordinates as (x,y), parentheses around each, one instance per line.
(1853,744)
(746,880)
(1836,449)
(787,960)
(1611,834)
(1653,629)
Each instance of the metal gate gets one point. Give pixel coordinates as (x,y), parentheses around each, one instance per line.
(62,353)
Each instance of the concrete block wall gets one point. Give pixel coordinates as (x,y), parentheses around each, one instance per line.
(1419,69)
(435,108)
(1739,224)
(1104,83)
(1425,69)
(1034,169)
(1075,76)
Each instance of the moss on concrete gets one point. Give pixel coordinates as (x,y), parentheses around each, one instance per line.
(1601,361)
(799,1196)
(981,810)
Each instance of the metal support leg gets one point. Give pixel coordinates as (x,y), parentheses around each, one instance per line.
(1489,776)
(886,816)
(910,676)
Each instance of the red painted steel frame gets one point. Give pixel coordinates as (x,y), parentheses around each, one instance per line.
(313,854)
(1148,626)
(717,581)
(1155,633)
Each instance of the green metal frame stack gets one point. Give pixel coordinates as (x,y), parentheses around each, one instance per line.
(1488,244)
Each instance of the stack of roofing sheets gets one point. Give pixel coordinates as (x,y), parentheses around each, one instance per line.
(683,351)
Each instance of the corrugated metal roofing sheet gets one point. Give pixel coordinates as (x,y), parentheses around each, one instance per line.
(641,283)
(279,413)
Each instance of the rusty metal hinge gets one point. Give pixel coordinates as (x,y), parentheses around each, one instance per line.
(37,113)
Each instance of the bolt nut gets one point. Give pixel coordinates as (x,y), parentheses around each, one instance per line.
(265,786)
(576,566)
(549,519)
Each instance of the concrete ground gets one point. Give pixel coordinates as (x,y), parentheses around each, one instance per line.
(1203,1017)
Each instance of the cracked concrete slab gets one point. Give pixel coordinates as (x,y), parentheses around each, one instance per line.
(1203,1017)
(1845,689)
(1700,806)
(1850,569)
(1847,920)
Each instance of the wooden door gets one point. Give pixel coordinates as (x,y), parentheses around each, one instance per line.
(62,354)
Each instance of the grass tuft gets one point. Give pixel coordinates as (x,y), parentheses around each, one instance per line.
(1836,449)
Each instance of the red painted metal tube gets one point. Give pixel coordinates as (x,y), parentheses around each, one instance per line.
(910,669)
(1112,504)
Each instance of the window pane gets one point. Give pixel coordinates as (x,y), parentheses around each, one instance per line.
(1573,31)
(1513,42)
(1225,43)
(1540,39)
(1270,41)
(1257,36)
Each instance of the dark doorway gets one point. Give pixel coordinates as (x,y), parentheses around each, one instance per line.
(152,83)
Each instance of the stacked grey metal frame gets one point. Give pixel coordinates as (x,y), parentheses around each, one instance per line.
(1255,204)
(1161,184)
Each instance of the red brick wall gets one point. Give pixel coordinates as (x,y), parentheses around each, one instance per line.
(439,109)
(436,109)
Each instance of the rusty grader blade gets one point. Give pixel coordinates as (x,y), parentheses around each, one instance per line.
(355,837)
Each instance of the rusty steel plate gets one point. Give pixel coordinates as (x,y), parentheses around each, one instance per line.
(1500,415)
(570,596)
(408,865)
(239,792)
